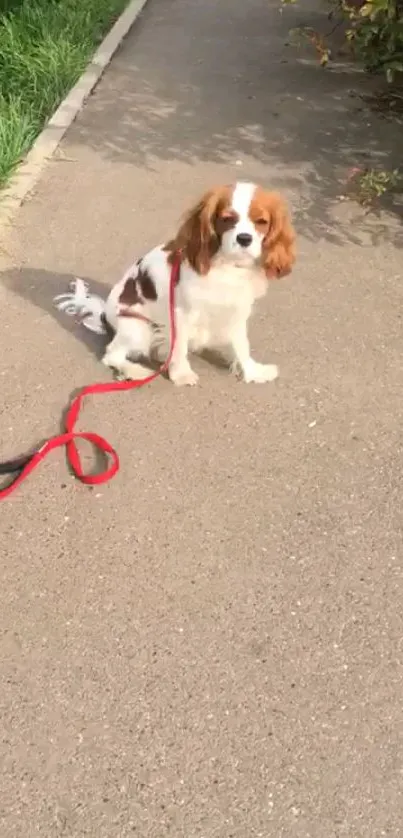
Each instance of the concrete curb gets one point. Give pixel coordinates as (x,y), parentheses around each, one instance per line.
(28,172)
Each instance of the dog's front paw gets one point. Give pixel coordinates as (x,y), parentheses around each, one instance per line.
(183,376)
(260,373)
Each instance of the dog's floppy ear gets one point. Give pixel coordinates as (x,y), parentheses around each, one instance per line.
(197,237)
(279,243)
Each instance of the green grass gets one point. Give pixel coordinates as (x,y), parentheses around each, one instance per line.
(44,47)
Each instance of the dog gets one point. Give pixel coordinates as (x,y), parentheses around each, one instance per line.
(231,244)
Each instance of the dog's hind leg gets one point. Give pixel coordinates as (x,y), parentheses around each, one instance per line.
(132,340)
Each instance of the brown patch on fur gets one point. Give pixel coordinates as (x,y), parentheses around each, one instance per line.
(269,213)
(138,289)
(130,295)
(147,284)
(199,237)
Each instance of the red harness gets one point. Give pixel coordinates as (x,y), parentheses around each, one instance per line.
(24,465)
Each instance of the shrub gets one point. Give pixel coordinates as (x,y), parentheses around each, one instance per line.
(376,34)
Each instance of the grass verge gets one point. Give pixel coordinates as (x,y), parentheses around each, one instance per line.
(44,47)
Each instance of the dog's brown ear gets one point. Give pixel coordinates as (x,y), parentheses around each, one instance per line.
(279,242)
(197,237)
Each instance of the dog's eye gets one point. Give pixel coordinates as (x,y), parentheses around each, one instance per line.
(226,221)
(261,222)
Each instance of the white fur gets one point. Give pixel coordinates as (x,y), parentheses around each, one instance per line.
(210,311)
(241,200)
(89,307)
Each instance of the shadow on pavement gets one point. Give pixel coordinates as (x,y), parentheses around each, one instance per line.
(39,287)
(231,88)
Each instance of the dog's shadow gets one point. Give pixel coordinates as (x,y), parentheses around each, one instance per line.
(39,287)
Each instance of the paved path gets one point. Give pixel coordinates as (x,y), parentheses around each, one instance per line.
(211,645)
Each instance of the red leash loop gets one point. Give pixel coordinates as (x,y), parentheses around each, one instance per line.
(25,465)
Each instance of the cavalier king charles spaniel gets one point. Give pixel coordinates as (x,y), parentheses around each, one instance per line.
(231,244)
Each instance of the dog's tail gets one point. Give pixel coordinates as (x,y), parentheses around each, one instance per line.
(88,308)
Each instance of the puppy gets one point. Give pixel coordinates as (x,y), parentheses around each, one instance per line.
(231,244)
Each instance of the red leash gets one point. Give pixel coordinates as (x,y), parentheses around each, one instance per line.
(25,465)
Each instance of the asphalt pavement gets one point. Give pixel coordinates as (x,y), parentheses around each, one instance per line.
(211,644)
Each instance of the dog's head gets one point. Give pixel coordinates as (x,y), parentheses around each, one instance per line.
(244,224)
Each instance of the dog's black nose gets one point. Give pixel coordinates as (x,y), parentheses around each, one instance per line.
(244,239)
